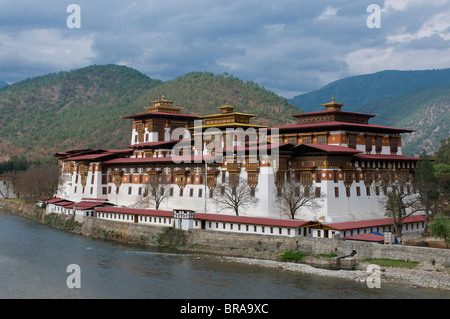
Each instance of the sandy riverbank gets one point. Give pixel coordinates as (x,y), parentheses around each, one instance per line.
(424,275)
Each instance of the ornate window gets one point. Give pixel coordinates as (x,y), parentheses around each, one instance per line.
(252,179)
(394,145)
(307,139)
(378,144)
(368,144)
(352,141)
(322,139)
(292,140)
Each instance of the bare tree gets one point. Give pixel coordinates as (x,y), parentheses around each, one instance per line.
(6,186)
(428,189)
(36,182)
(156,191)
(234,196)
(292,196)
(399,201)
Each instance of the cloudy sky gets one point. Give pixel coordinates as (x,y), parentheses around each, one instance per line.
(287,46)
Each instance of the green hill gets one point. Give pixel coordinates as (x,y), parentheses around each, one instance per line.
(416,100)
(3,83)
(82,108)
(75,109)
(357,91)
(426,110)
(201,94)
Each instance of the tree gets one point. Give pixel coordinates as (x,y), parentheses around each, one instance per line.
(441,169)
(442,155)
(292,196)
(36,182)
(234,196)
(428,189)
(6,187)
(156,191)
(440,227)
(400,201)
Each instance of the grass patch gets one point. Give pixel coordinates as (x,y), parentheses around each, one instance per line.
(289,255)
(17,200)
(392,262)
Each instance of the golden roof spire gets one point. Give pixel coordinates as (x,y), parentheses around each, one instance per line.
(333,106)
(163,105)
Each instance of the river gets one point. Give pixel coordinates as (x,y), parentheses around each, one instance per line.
(34,260)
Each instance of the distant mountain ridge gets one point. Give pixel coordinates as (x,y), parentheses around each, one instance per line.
(424,110)
(357,91)
(76,109)
(82,108)
(416,100)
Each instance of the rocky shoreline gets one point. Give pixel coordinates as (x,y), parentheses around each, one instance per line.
(424,275)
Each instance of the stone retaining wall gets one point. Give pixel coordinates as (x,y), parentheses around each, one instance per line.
(232,244)
(268,247)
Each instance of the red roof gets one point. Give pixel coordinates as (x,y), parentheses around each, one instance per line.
(159,114)
(337,124)
(90,156)
(119,152)
(328,112)
(85,205)
(54,200)
(152,144)
(59,202)
(249,147)
(373,222)
(64,203)
(366,237)
(331,148)
(386,157)
(134,211)
(251,220)
(173,159)
(95,199)
(96,154)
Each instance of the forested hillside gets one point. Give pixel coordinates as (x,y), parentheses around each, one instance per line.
(416,100)
(83,108)
(427,111)
(201,94)
(357,91)
(75,109)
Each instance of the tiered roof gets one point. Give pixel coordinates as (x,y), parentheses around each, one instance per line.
(333,118)
(164,109)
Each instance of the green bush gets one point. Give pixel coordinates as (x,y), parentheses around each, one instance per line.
(289,255)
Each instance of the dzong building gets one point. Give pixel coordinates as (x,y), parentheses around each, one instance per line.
(338,154)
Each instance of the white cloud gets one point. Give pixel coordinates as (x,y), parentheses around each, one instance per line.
(372,60)
(401,5)
(438,25)
(285,45)
(328,13)
(48,47)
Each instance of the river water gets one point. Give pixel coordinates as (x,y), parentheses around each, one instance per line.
(34,260)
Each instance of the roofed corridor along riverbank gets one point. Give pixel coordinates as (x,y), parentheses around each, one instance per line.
(34,260)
